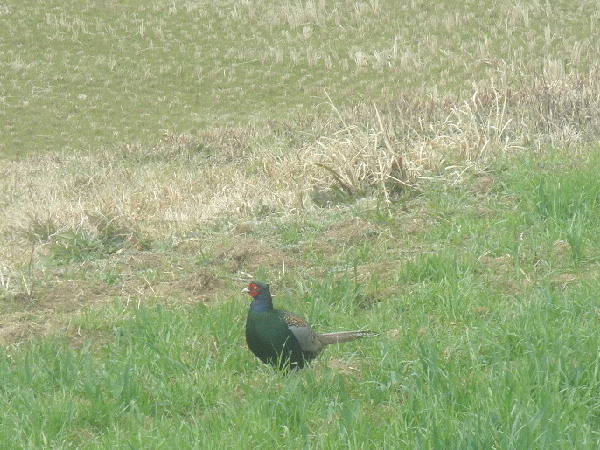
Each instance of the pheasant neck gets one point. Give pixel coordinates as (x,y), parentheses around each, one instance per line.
(262,302)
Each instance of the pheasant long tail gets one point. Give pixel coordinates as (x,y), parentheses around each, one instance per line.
(344,336)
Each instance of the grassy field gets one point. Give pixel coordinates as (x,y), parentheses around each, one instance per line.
(84,74)
(425,170)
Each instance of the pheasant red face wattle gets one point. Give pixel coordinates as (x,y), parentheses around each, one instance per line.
(253,289)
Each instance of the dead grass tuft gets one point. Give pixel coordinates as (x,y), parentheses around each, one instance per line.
(351,231)
(249,254)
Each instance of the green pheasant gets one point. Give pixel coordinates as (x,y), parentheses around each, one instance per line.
(283,339)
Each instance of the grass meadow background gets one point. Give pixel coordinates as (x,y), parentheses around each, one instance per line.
(83,74)
(426,170)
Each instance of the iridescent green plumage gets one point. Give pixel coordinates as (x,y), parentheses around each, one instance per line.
(281,338)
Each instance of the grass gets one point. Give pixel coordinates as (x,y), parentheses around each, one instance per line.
(86,75)
(487,311)
(522,377)
(428,171)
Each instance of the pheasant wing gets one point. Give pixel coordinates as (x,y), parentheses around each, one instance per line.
(306,336)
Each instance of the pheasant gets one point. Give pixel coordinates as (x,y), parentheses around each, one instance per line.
(283,339)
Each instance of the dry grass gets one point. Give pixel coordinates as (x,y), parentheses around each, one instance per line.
(189,180)
(73,207)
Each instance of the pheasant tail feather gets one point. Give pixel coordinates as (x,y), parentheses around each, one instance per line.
(344,336)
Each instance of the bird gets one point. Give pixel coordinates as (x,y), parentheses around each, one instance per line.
(283,339)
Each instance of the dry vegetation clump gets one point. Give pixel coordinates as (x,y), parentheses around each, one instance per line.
(125,197)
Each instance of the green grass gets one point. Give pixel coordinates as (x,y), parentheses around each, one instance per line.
(523,378)
(489,335)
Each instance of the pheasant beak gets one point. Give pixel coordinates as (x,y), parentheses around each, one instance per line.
(246,290)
